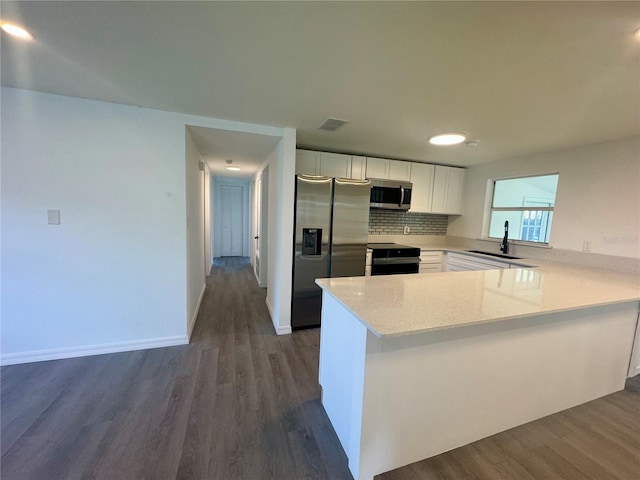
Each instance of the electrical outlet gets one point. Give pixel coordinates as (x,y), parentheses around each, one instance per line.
(586,246)
(407,229)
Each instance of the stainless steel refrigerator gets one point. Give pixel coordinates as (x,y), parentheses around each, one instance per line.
(331,227)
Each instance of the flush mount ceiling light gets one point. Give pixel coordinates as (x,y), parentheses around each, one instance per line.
(16,31)
(230,167)
(448,139)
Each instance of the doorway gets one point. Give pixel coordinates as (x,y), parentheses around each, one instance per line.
(231,217)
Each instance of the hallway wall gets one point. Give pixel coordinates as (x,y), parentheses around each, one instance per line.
(113,275)
(195,212)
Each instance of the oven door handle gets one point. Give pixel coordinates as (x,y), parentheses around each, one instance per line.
(395,260)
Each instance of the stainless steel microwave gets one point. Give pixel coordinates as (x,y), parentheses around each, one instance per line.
(390,194)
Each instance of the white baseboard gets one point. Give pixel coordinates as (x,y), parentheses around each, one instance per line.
(87,350)
(283,330)
(279,330)
(192,321)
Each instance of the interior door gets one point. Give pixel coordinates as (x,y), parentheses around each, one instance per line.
(232,220)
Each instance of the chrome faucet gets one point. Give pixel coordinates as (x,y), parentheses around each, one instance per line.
(504,246)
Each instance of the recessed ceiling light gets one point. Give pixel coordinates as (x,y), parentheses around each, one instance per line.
(16,31)
(448,139)
(234,169)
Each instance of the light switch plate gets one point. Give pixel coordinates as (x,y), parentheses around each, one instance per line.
(53,217)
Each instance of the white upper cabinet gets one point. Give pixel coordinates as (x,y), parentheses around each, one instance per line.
(388,169)
(399,170)
(309,162)
(377,168)
(335,165)
(436,189)
(447,190)
(358,167)
(422,190)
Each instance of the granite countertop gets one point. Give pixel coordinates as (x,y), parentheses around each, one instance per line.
(399,305)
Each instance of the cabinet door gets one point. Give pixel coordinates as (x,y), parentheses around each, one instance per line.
(454,190)
(421,194)
(335,165)
(377,168)
(430,261)
(307,162)
(358,167)
(399,170)
(455,261)
(447,190)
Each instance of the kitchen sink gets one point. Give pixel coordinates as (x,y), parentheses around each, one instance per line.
(500,255)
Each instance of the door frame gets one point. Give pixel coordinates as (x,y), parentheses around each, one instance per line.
(259,248)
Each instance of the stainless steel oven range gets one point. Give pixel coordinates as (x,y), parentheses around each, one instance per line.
(392,259)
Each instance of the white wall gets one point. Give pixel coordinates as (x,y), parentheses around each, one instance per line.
(195,207)
(113,275)
(280,230)
(598,196)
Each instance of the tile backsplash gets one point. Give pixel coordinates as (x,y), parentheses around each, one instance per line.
(392,222)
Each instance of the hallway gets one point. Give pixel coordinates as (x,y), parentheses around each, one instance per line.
(238,402)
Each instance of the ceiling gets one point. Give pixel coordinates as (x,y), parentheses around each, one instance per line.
(245,150)
(519,77)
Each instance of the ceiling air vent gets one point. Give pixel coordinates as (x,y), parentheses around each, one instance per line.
(332,124)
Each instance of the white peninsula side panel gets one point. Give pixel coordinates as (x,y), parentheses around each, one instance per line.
(397,400)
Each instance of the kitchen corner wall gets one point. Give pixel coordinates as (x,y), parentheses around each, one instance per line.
(392,222)
(598,197)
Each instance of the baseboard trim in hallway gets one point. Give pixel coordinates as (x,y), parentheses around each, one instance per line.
(88,350)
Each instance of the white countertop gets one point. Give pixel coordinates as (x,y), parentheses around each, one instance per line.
(397,305)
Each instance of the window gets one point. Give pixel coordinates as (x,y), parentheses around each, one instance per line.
(527,204)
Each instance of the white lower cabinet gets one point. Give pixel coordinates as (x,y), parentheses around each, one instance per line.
(456,262)
(368,261)
(430,261)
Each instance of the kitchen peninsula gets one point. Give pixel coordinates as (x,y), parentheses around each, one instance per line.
(415,365)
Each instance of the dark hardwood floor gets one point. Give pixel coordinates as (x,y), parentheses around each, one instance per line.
(240,402)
